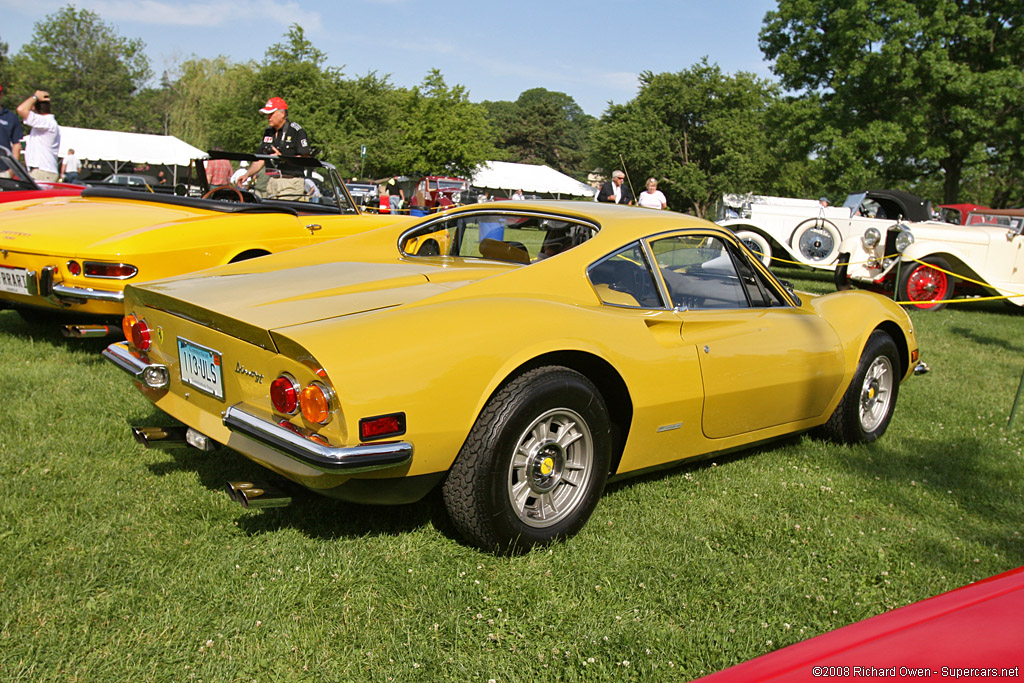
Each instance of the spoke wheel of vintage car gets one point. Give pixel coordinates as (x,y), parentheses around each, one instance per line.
(757,244)
(924,285)
(817,241)
(866,408)
(534,465)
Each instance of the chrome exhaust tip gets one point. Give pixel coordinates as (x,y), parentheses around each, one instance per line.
(160,437)
(84,331)
(173,437)
(922,369)
(257,495)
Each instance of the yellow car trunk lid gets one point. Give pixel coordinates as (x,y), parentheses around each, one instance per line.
(73,225)
(250,304)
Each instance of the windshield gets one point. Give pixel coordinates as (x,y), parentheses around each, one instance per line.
(854,200)
(303,183)
(511,237)
(12,177)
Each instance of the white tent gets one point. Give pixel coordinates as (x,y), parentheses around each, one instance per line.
(530,178)
(118,147)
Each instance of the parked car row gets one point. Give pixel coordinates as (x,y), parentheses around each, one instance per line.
(889,241)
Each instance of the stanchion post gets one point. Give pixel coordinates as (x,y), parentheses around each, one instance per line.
(1016,402)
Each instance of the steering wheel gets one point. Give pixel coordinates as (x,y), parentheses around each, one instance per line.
(232,188)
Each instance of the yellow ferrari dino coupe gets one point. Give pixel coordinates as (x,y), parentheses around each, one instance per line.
(518,354)
(69,258)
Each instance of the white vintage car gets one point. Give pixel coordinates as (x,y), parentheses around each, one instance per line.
(925,264)
(805,232)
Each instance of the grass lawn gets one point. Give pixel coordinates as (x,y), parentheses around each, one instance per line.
(120,563)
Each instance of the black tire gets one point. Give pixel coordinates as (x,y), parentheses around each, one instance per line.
(930,287)
(866,408)
(544,439)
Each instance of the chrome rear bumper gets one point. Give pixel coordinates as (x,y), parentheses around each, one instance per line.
(335,459)
(152,375)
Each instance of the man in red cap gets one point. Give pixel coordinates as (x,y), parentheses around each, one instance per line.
(282,137)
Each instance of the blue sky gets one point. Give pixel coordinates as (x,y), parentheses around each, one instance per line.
(593,51)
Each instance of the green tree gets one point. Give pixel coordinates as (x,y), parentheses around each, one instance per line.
(92,73)
(906,88)
(542,127)
(443,132)
(212,103)
(699,132)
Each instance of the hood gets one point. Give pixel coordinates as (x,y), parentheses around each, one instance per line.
(954,234)
(72,225)
(248,305)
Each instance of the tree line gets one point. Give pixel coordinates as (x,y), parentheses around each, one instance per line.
(925,96)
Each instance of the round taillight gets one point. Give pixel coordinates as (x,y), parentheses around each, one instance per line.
(74,268)
(284,394)
(140,335)
(316,403)
(127,323)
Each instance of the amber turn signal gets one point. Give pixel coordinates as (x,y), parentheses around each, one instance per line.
(315,401)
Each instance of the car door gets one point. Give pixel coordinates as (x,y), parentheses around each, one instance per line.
(763,361)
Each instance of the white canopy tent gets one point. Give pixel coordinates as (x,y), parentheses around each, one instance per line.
(121,148)
(530,178)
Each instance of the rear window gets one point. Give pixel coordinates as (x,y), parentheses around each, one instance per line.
(510,237)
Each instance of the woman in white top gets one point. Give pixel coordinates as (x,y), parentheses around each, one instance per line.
(652,198)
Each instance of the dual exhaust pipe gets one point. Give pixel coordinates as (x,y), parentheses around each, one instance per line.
(253,495)
(257,495)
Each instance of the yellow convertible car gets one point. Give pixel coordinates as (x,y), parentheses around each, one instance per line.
(70,257)
(518,354)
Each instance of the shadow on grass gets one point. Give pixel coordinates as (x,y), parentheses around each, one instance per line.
(987,340)
(310,513)
(970,492)
(50,333)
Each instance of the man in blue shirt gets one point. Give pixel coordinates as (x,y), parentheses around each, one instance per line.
(10,130)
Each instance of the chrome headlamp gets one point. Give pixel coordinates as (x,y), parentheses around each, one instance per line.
(903,240)
(871,238)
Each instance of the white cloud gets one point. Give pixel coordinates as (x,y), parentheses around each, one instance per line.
(212,14)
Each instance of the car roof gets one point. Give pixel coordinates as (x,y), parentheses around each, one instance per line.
(618,222)
(914,208)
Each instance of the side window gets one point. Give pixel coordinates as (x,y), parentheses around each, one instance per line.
(759,292)
(514,238)
(625,279)
(699,272)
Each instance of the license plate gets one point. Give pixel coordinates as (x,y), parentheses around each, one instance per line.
(13,280)
(201,368)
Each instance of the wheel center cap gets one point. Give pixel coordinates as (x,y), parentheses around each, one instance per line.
(870,393)
(546,467)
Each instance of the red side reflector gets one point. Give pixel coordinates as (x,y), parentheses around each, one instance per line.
(74,268)
(381,426)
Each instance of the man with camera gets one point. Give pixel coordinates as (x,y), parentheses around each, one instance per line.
(44,138)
